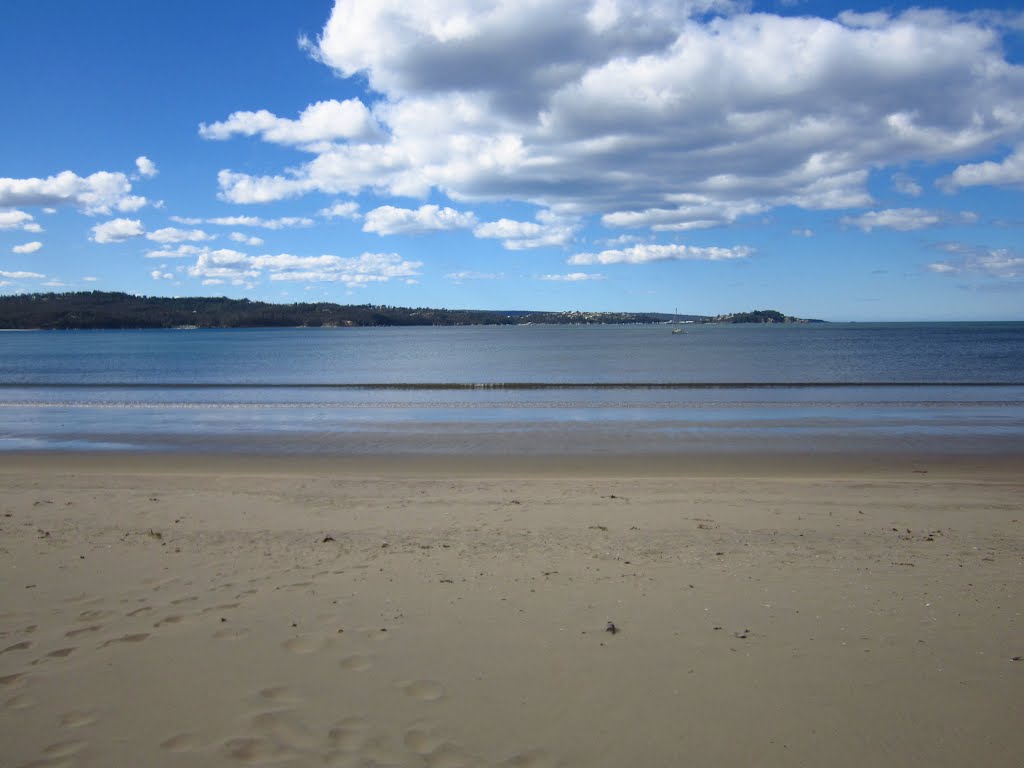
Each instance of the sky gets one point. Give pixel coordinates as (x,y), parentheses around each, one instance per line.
(836,160)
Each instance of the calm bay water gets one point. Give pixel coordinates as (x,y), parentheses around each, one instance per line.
(955,387)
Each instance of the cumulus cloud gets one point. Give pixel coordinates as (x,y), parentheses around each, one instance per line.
(241,237)
(27,247)
(460,277)
(999,263)
(906,185)
(182,251)
(318,127)
(347,210)
(643,254)
(283,222)
(175,235)
(231,266)
(15,219)
(906,219)
(146,167)
(98,193)
(573,277)
(117,231)
(1009,171)
(156,274)
(549,229)
(21,275)
(389,220)
(649,114)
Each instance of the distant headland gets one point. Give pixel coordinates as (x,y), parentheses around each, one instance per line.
(94,310)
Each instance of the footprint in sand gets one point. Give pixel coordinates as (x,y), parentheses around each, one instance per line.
(537,758)
(349,735)
(24,645)
(137,611)
(182,600)
(21,701)
(376,751)
(356,663)
(251,751)
(93,615)
(183,742)
(136,638)
(449,755)
(304,644)
(422,740)
(65,748)
(174,619)
(424,690)
(280,694)
(13,682)
(83,630)
(78,719)
(285,727)
(60,653)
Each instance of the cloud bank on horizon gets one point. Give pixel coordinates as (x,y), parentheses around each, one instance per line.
(595,134)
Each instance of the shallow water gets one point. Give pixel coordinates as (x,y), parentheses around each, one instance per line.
(956,387)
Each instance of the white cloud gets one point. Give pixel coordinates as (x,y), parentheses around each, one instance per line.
(999,263)
(156,274)
(21,275)
(906,219)
(352,272)
(117,230)
(175,235)
(548,230)
(182,251)
(460,277)
(643,254)
(27,247)
(15,219)
(131,203)
(98,193)
(804,232)
(1009,171)
(389,220)
(284,222)
(146,167)
(241,237)
(347,210)
(573,277)
(90,279)
(650,114)
(905,185)
(319,126)
(237,268)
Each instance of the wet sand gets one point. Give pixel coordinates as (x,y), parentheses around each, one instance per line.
(442,611)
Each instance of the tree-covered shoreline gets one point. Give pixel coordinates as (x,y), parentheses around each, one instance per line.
(96,310)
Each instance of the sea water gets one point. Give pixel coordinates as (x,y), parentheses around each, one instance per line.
(934,387)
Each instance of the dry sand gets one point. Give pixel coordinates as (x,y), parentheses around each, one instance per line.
(202,611)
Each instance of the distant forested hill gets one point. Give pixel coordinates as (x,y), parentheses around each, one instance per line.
(99,309)
(102,309)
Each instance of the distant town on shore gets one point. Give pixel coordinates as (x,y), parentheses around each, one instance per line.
(94,310)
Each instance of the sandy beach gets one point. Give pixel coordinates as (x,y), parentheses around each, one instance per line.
(443,612)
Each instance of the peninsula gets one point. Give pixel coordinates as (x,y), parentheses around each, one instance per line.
(91,310)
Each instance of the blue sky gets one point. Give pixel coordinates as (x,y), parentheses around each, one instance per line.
(848,161)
